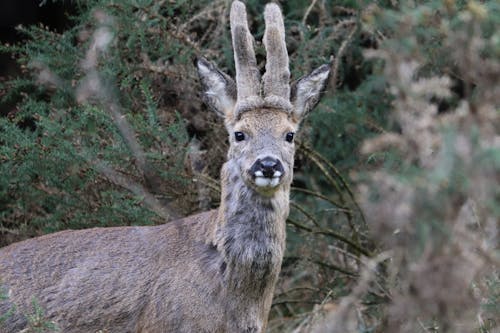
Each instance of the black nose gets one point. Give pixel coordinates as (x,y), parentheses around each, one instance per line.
(268,166)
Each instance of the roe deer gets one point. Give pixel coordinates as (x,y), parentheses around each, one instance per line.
(211,272)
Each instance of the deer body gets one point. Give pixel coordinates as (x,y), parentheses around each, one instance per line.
(134,279)
(211,272)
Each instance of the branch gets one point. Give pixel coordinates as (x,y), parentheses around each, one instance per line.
(308,11)
(136,188)
(324,264)
(321,196)
(338,59)
(329,233)
(337,320)
(9,231)
(92,86)
(320,160)
(305,213)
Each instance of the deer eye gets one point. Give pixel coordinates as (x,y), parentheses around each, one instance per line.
(239,136)
(289,137)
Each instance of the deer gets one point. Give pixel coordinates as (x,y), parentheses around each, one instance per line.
(211,272)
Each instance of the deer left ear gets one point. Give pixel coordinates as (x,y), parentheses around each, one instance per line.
(305,92)
(219,90)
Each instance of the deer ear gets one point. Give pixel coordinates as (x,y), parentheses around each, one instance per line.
(219,90)
(305,92)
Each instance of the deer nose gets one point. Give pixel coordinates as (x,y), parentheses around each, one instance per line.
(267,167)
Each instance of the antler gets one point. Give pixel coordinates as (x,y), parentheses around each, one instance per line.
(277,76)
(247,73)
(277,93)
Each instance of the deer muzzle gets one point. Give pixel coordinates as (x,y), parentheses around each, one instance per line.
(267,171)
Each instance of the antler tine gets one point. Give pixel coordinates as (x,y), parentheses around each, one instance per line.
(277,76)
(247,73)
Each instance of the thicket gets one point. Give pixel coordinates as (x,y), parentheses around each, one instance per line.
(395,203)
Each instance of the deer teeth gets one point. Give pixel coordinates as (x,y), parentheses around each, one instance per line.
(262,181)
(275,181)
(267,182)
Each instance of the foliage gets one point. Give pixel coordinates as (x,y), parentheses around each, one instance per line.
(432,191)
(104,127)
(50,139)
(37,323)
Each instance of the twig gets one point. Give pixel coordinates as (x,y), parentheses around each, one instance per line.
(181,36)
(305,213)
(297,301)
(49,78)
(321,196)
(338,59)
(336,321)
(215,6)
(9,231)
(136,188)
(308,11)
(155,68)
(330,234)
(338,236)
(422,325)
(92,86)
(324,264)
(291,290)
(309,153)
(345,10)
(318,159)
(207,181)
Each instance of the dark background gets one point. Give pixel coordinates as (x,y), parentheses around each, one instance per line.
(55,15)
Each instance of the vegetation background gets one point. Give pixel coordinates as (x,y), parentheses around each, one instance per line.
(396,197)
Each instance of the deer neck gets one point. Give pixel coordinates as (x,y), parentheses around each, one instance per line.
(250,230)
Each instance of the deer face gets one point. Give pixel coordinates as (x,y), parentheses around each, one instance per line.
(262,148)
(261,117)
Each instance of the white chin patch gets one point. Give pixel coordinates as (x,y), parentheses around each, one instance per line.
(267,182)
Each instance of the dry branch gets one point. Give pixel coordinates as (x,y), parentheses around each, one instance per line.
(342,319)
(135,188)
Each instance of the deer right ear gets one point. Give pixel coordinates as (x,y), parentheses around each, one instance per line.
(219,89)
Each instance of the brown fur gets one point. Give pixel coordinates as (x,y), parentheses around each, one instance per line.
(211,272)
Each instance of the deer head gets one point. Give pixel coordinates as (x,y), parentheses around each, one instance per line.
(261,116)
